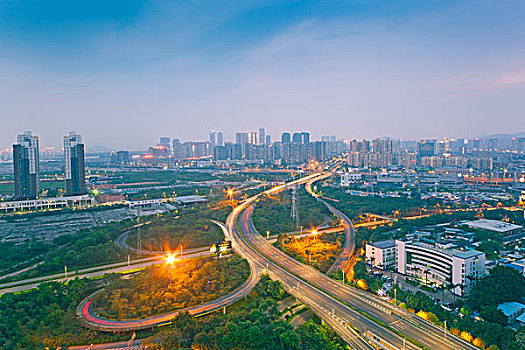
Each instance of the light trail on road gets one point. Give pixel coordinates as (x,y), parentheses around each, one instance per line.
(257,248)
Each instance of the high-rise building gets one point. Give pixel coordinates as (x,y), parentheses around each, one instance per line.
(426,148)
(26,166)
(197,149)
(177,150)
(329,144)
(245,138)
(268,140)
(216,138)
(165,141)
(301,137)
(520,147)
(75,171)
(262,136)
(286,138)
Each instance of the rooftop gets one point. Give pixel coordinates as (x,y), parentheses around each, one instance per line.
(384,244)
(189,199)
(463,254)
(493,225)
(510,307)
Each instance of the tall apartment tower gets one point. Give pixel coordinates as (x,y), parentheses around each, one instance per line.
(216,138)
(75,169)
(26,166)
(165,142)
(262,136)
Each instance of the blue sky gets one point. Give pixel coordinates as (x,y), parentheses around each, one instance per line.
(124,72)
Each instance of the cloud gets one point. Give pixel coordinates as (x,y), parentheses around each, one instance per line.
(513,78)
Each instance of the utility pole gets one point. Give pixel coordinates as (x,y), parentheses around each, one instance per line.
(139,240)
(295,200)
(218,252)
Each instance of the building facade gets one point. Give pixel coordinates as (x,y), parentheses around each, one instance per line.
(26,166)
(456,270)
(75,170)
(382,254)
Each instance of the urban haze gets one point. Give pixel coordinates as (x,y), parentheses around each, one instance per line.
(289,175)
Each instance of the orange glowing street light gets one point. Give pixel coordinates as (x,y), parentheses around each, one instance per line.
(314,232)
(230,194)
(170,259)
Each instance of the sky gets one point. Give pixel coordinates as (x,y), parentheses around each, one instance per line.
(124,72)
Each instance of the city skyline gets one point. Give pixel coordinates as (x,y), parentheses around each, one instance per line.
(57,145)
(132,70)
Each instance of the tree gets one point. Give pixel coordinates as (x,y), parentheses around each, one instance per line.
(479,343)
(503,284)
(467,336)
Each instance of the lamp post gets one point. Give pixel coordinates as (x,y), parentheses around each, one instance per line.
(395,295)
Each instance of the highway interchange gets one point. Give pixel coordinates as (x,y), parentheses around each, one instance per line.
(360,319)
(338,304)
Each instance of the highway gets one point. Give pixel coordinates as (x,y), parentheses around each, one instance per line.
(347,253)
(348,311)
(85,309)
(316,290)
(123,267)
(346,260)
(339,316)
(122,238)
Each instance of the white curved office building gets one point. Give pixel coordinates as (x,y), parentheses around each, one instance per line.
(436,266)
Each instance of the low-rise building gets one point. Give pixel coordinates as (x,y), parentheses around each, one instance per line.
(512,310)
(454,269)
(46,203)
(494,226)
(187,200)
(390,177)
(347,178)
(381,254)
(145,203)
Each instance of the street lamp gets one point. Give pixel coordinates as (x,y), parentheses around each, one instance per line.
(314,232)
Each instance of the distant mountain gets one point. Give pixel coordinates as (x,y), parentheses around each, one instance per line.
(504,136)
(99,149)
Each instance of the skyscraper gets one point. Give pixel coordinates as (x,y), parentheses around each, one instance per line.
(245,138)
(177,149)
(26,166)
(285,137)
(75,173)
(262,136)
(166,142)
(216,138)
(301,137)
